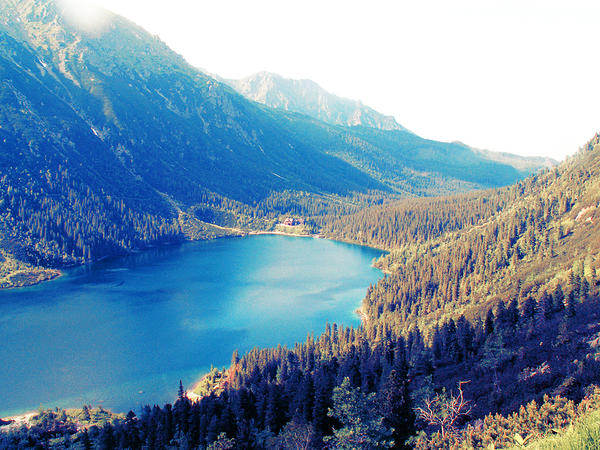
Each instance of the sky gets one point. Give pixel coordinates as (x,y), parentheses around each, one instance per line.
(514,76)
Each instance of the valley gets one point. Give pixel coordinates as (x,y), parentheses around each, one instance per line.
(87,335)
(85,177)
(159,223)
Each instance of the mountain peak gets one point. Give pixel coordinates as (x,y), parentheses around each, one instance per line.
(307,97)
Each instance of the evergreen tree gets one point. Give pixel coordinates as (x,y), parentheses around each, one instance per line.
(489,323)
(86,443)
(570,306)
(396,407)
(529,309)
(362,426)
(547,305)
(558,298)
(86,412)
(106,440)
(512,313)
(584,289)
(181,392)
(321,421)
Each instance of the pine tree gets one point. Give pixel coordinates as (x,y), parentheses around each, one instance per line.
(584,289)
(512,313)
(396,407)
(570,305)
(235,358)
(181,392)
(212,430)
(465,335)
(321,405)
(86,413)
(489,323)
(362,425)
(85,440)
(529,309)
(547,304)
(273,418)
(106,440)
(558,298)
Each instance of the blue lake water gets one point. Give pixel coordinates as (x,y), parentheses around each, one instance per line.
(122,333)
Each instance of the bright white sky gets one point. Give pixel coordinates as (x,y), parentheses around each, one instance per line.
(520,76)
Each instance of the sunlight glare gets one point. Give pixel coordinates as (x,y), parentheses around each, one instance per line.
(85,15)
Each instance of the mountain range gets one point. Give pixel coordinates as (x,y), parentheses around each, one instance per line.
(307,97)
(484,333)
(111,141)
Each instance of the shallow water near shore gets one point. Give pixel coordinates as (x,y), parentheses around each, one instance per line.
(122,333)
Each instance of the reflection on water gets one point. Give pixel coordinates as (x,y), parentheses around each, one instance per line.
(123,332)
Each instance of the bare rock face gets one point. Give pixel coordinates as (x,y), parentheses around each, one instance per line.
(307,97)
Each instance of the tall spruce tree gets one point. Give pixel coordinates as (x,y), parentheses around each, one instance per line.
(396,407)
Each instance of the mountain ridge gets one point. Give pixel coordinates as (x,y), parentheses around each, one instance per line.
(517,356)
(105,129)
(307,97)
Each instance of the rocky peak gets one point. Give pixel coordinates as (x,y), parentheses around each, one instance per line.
(307,97)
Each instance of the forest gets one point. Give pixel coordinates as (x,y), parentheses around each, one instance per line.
(111,144)
(483,331)
(486,322)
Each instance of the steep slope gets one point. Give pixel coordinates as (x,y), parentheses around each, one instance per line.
(167,122)
(463,255)
(112,142)
(176,128)
(307,97)
(384,154)
(528,369)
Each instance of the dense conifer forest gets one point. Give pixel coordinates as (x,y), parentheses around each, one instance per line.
(486,322)
(112,142)
(483,331)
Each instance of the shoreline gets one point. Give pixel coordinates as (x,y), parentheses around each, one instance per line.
(43,275)
(225,373)
(282,233)
(360,244)
(21,419)
(58,273)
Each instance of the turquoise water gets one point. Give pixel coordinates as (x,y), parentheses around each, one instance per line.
(122,333)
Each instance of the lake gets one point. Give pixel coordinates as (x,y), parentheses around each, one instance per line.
(122,333)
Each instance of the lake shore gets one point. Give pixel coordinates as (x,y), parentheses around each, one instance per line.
(216,380)
(28,277)
(16,274)
(160,273)
(283,233)
(19,274)
(209,384)
(17,421)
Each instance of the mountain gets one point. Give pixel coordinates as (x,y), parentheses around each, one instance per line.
(111,142)
(499,287)
(164,121)
(307,97)
(484,333)
(522,163)
(493,245)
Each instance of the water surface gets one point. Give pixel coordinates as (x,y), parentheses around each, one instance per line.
(122,333)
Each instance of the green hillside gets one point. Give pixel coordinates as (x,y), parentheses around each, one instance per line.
(112,142)
(485,327)
(465,254)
